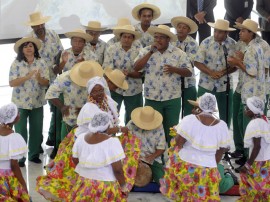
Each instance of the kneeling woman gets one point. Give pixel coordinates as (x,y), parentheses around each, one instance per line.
(191,172)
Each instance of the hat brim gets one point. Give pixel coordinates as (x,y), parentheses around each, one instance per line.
(135,117)
(107,72)
(26,39)
(100,29)
(39,22)
(213,25)
(118,32)
(194,103)
(136,9)
(84,36)
(192,25)
(241,26)
(153,30)
(80,81)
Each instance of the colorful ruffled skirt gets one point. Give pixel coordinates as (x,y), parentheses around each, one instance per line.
(184,181)
(10,188)
(255,184)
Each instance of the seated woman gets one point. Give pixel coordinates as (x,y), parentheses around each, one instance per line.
(97,157)
(191,172)
(12,148)
(255,184)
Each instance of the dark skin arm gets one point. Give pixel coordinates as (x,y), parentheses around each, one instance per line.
(180,141)
(219,154)
(213,74)
(75,161)
(133,74)
(140,64)
(180,71)
(17,172)
(153,156)
(64,109)
(119,175)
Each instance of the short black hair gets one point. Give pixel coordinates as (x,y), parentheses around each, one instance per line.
(140,11)
(20,55)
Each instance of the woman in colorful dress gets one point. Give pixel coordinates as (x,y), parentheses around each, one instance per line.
(12,148)
(255,183)
(29,77)
(191,172)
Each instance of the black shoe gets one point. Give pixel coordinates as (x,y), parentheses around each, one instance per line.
(236,154)
(36,160)
(53,154)
(49,142)
(234,177)
(237,170)
(241,161)
(21,164)
(41,151)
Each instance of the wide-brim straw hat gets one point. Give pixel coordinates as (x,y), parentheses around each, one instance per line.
(83,71)
(26,39)
(221,25)
(162,29)
(136,10)
(180,19)
(79,33)
(146,118)
(117,77)
(249,25)
(36,18)
(129,29)
(122,22)
(95,26)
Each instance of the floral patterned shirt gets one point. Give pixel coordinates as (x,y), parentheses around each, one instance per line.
(30,94)
(146,39)
(114,40)
(72,59)
(151,140)
(74,96)
(159,86)
(211,54)
(99,50)
(118,58)
(190,47)
(49,49)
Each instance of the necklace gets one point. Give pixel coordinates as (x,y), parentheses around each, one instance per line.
(6,126)
(103,105)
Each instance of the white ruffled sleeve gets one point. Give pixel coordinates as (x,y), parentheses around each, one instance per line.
(255,129)
(12,146)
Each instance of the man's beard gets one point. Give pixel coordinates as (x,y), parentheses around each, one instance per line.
(40,32)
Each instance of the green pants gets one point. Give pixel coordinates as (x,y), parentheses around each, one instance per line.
(169,110)
(189,94)
(35,121)
(55,124)
(222,103)
(157,171)
(130,102)
(226,180)
(65,129)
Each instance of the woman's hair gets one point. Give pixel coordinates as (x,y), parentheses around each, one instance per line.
(20,55)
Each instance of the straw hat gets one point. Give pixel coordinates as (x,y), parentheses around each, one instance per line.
(221,25)
(83,71)
(146,118)
(163,29)
(79,33)
(36,18)
(117,77)
(180,19)
(95,26)
(126,29)
(249,25)
(121,22)
(136,10)
(26,39)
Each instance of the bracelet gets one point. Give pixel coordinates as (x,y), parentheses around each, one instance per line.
(119,129)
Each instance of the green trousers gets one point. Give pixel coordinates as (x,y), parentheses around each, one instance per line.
(130,102)
(222,103)
(157,171)
(226,180)
(34,118)
(65,129)
(169,110)
(189,94)
(55,124)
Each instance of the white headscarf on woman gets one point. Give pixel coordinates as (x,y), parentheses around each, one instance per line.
(8,113)
(208,103)
(256,105)
(99,123)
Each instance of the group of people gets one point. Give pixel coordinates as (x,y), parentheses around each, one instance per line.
(151,69)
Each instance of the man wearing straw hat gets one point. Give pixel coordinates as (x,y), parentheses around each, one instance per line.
(211,61)
(145,13)
(163,64)
(121,56)
(184,27)
(251,68)
(72,84)
(77,52)
(51,46)
(98,46)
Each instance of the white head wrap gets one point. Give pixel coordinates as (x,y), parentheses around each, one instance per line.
(99,123)
(8,113)
(207,102)
(256,105)
(95,81)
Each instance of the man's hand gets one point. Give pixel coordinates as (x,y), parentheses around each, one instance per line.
(169,69)
(65,57)
(240,20)
(65,110)
(200,17)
